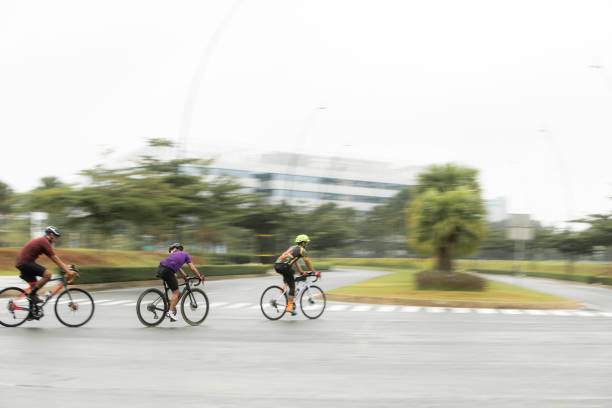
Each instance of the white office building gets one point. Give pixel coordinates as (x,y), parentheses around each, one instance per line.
(309,181)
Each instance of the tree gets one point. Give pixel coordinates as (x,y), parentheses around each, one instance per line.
(572,245)
(447,218)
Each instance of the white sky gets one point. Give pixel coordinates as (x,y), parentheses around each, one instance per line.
(503,86)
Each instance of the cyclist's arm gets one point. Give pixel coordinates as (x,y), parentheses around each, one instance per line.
(299,268)
(309,265)
(182,272)
(63,266)
(193,269)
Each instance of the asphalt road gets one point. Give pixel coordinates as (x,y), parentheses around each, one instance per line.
(353,356)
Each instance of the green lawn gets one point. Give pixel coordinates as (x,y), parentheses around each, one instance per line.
(401,284)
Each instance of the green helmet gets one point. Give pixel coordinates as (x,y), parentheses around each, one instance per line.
(302,238)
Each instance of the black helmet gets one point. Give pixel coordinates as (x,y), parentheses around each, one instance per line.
(52,230)
(176,245)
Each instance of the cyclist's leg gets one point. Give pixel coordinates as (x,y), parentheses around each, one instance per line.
(290,281)
(29,272)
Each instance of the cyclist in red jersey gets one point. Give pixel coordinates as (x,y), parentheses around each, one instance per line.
(30,269)
(284,265)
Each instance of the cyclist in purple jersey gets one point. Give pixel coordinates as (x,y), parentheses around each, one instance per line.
(167,270)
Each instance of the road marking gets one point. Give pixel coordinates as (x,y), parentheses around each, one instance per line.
(435,309)
(537,312)
(361,308)
(486,311)
(117,302)
(217,304)
(560,312)
(101,301)
(238,305)
(411,309)
(337,308)
(460,310)
(511,311)
(584,313)
(386,308)
(130,304)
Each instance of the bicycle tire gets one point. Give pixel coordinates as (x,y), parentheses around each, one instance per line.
(269,302)
(316,301)
(79,308)
(147,312)
(201,304)
(20,300)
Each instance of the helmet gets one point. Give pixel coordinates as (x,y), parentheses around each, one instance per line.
(176,245)
(302,238)
(52,230)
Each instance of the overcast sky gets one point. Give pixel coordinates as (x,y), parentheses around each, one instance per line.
(521,90)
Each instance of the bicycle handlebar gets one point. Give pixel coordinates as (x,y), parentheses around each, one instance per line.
(316,274)
(190,278)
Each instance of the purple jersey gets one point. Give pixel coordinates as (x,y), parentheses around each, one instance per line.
(175,260)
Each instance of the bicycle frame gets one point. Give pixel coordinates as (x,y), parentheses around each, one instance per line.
(63,284)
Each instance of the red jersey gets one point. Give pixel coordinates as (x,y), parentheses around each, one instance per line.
(33,250)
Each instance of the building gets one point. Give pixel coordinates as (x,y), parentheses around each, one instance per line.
(309,181)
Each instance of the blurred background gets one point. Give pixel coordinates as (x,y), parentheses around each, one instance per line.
(233,126)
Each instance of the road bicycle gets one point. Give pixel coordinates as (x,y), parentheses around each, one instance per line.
(152,304)
(73,307)
(311,298)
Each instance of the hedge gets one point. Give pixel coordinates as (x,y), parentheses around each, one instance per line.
(93,274)
(548,275)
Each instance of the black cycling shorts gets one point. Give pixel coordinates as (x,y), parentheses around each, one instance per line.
(288,278)
(29,271)
(169,276)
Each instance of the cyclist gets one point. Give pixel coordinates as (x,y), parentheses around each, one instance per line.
(284,265)
(167,270)
(30,269)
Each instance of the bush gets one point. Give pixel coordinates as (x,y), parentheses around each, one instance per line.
(229,259)
(437,280)
(605,280)
(93,274)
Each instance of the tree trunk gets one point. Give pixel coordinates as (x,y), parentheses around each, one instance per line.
(445,258)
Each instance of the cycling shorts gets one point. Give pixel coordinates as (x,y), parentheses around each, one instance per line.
(29,271)
(287,272)
(168,276)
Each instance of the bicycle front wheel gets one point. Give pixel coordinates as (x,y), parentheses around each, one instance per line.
(273,302)
(74,307)
(194,306)
(14,307)
(151,307)
(312,302)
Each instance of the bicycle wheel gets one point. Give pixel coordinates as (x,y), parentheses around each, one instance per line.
(312,302)
(151,307)
(273,302)
(194,306)
(14,307)
(74,307)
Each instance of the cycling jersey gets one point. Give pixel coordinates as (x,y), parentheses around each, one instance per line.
(291,255)
(33,250)
(176,260)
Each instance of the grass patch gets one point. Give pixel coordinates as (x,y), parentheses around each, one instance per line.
(401,284)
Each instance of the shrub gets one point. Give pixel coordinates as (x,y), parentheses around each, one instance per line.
(94,274)
(437,280)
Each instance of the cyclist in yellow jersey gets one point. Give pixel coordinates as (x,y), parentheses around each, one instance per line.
(284,265)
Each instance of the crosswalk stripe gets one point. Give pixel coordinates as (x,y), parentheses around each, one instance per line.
(511,311)
(486,311)
(116,302)
(337,308)
(237,305)
(435,309)
(361,308)
(536,312)
(411,309)
(386,308)
(460,310)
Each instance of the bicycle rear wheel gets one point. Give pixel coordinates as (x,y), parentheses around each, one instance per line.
(273,302)
(151,307)
(74,307)
(14,307)
(312,302)
(194,306)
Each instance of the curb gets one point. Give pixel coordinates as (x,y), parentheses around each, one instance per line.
(452,303)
